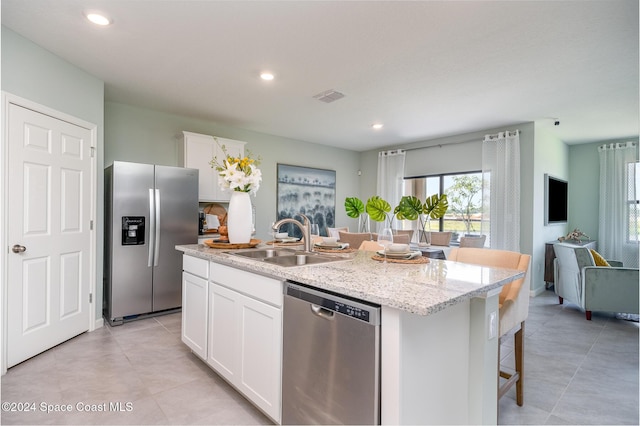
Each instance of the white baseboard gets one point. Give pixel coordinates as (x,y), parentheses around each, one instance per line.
(537,291)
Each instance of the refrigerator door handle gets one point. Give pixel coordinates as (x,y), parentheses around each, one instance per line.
(156,244)
(152,225)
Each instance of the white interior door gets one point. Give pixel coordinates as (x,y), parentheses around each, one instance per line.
(49,212)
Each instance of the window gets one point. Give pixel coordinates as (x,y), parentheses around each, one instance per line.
(464,193)
(633,202)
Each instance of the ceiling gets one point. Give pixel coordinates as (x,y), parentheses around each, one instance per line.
(425,69)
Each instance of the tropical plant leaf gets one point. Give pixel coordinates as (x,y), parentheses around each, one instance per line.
(409,208)
(377,208)
(436,206)
(354,207)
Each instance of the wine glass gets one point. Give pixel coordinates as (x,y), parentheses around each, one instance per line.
(385,239)
(314,233)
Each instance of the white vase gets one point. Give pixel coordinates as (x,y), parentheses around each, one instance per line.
(239,218)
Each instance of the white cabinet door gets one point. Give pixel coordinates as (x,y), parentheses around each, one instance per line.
(195,313)
(197,151)
(223,331)
(260,354)
(245,346)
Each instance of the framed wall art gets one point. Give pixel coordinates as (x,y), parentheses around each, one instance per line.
(308,191)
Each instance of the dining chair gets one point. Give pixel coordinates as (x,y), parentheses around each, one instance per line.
(335,232)
(370,246)
(441,238)
(476,241)
(354,239)
(513,303)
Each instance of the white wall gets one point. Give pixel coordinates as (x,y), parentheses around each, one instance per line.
(142,135)
(528,196)
(36,74)
(552,157)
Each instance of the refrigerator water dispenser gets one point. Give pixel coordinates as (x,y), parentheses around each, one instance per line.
(132,230)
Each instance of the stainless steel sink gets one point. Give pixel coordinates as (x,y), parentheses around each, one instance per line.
(300,259)
(263,253)
(285,257)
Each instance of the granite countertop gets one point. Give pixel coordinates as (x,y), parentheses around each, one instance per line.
(421,289)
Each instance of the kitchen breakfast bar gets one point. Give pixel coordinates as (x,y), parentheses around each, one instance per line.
(438,357)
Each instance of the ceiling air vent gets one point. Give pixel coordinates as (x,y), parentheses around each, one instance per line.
(329,96)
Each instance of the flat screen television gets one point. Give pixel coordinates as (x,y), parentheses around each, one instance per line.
(556,197)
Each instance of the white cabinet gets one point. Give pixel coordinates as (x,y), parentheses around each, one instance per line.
(245,334)
(196,152)
(194,304)
(232,319)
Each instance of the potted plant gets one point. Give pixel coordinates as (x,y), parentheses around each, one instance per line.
(376,208)
(355,208)
(411,208)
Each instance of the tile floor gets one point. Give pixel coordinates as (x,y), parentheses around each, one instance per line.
(578,372)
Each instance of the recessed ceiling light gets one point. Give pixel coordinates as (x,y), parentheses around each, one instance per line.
(377,126)
(267,76)
(98,19)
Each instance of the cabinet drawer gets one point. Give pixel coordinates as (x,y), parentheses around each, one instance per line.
(195,266)
(268,290)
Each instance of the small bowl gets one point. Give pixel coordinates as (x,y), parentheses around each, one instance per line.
(399,248)
(281,235)
(329,240)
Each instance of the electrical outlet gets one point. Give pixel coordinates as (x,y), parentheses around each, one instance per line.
(493,325)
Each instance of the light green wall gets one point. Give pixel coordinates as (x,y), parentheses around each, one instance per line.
(142,135)
(33,73)
(584,186)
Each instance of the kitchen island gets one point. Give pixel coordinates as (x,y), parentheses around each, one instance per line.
(439,345)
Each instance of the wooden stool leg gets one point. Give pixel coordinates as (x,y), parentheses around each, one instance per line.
(519,352)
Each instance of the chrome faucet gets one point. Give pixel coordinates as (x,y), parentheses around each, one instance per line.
(305,229)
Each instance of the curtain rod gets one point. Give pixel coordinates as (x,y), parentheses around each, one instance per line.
(517,131)
(440,145)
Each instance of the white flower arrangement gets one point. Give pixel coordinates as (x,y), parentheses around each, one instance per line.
(236,173)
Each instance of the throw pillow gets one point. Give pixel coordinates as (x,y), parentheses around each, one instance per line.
(598,259)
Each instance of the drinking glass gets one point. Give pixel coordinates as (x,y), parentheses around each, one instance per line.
(314,232)
(385,239)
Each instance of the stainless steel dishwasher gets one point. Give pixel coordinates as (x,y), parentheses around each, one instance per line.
(331,358)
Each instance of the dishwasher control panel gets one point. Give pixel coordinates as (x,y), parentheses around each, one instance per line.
(337,303)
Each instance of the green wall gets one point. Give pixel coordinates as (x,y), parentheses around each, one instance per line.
(584,186)
(142,135)
(35,74)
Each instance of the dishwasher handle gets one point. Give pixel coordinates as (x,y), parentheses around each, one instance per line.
(321,312)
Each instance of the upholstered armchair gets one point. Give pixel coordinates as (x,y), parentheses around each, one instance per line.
(594,288)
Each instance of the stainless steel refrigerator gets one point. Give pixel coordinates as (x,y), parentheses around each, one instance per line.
(148,210)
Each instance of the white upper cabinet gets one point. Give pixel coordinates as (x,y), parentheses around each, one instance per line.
(196,151)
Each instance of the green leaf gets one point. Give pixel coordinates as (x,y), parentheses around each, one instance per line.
(353,206)
(409,208)
(377,208)
(435,206)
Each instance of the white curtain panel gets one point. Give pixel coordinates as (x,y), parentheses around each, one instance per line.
(618,212)
(390,176)
(501,190)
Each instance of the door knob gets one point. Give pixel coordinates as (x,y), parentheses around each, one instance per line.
(18,248)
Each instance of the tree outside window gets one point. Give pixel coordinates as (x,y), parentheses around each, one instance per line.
(465,201)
